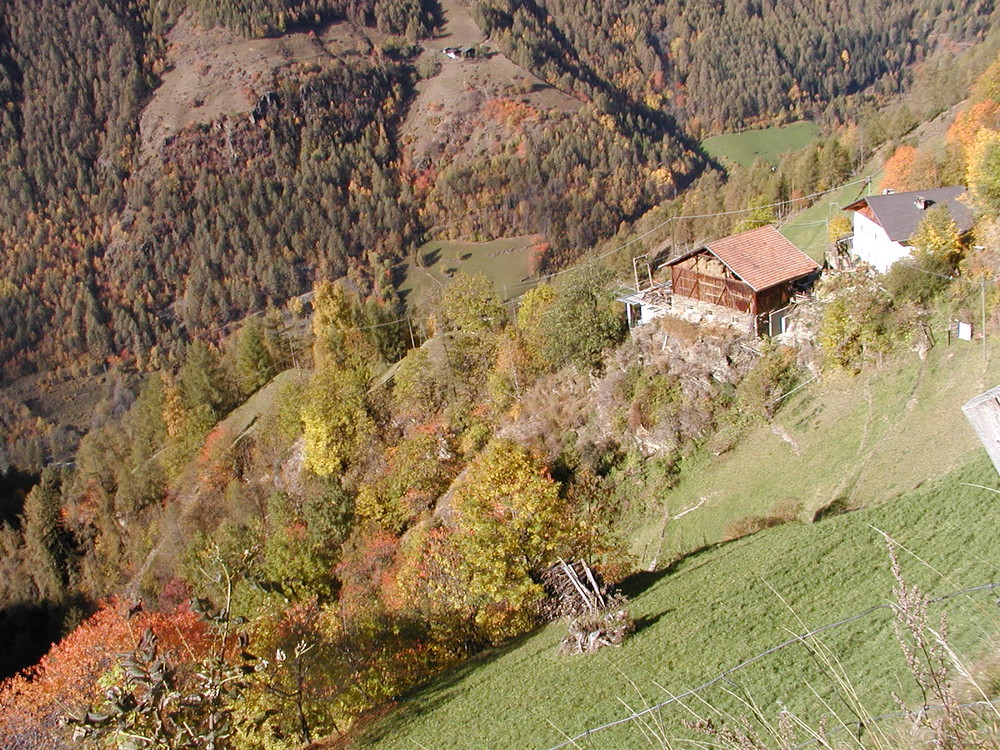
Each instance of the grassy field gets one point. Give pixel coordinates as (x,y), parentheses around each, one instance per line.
(808,230)
(717,608)
(855,440)
(743,148)
(505,261)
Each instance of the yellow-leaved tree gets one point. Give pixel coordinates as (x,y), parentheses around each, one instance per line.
(508,524)
(984,171)
(336,424)
(511,521)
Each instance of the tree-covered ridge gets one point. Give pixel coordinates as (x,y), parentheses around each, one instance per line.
(96,247)
(262,17)
(107,253)
(231,219)
(574,177)
(731,63)
(73,78)
(231,223)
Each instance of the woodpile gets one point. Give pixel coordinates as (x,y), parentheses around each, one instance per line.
(589,633)
(596,617)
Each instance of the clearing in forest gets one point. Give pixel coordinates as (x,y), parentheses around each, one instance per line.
(213,72)
(506,261)
(448,117)
(746,147)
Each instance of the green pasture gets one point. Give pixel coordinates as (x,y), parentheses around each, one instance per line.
(746,147)
(853,441)
(505,261)
(717,608)
(808,229)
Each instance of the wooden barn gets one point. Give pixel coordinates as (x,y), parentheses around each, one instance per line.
(757,273)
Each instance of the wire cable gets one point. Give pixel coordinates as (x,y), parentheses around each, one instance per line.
(753,659)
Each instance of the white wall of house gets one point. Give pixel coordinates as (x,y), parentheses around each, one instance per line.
(873,246)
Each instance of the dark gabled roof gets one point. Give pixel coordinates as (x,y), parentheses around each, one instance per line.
(761,257)
(899,214)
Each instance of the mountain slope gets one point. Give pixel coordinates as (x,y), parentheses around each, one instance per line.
(711,611)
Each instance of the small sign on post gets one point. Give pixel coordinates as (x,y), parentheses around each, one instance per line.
(965,331)
(983,413)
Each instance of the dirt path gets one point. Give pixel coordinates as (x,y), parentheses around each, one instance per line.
(781,432)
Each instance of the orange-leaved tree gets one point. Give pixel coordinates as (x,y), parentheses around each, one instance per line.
(900,172)
(66,681)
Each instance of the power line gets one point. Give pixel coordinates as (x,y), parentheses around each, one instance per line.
(382,325)
(791,641)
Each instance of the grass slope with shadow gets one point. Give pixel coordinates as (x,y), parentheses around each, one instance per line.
(721,606)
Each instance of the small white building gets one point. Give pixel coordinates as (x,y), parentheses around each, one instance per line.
(884,223)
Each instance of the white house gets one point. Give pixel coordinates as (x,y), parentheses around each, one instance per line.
(884,223)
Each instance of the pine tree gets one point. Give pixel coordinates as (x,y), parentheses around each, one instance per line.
(44,537)
(254,364)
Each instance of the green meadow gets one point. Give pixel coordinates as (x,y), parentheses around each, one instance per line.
(746,147)
(717,608)
(843,441)
(505,261)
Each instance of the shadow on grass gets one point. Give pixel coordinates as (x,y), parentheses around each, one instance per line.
(440,689)
(431,695)
(641,623)
(637,583)
(430,259)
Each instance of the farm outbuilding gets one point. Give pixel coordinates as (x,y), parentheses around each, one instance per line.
(983,413)
(757,273)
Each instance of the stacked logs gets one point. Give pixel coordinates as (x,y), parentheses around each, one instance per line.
(596,616)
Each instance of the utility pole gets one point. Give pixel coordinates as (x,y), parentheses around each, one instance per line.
(982,304)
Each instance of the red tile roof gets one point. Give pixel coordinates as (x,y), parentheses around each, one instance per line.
(762,257)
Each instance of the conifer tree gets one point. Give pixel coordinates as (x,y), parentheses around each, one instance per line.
(254,364)
(44,536)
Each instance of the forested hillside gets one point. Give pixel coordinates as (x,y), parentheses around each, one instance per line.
(729,64)
(97,248)
(108,254)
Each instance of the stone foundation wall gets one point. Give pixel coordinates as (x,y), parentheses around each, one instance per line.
(696,311)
